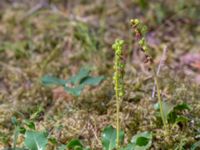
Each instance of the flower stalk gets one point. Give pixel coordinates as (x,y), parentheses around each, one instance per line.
(118,83)
(140,32)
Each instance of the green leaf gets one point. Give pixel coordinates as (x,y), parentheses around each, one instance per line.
(30,124)
(167,108)
(76,144)
(109,138)
(49,80)
(83,73)
(35,140)
(14,121)
(76,91)
(92,80)
(181,119)
(170,112)
(141,141)
(182,106)
(22,130)
(172,116)
(76,83)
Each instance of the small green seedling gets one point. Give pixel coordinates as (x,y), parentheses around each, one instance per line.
(75,84)
(112,138)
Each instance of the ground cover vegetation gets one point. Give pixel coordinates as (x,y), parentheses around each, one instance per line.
(93,75)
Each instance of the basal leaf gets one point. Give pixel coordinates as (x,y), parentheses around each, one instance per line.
(76,83)
(109,138)
(182,106)
(49,80)
(167,108)
(35,140)
(172,116)
(141,141)
(74,144)
(170,112)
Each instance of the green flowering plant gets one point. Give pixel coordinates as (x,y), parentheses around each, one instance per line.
(118,82)
(140,31)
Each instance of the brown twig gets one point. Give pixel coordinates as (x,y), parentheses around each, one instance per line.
(161,63)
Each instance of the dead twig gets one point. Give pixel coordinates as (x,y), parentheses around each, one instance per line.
(161,63)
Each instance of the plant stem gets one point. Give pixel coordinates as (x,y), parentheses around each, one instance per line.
(160,102)
(117,123)
(117,108)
